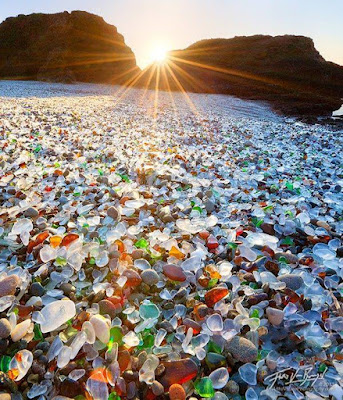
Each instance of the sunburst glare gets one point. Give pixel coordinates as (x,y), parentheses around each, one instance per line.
(159,54)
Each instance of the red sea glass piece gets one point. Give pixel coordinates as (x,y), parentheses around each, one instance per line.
(239,231)
(212,242)
(189,323)
(204,235)
(68,239)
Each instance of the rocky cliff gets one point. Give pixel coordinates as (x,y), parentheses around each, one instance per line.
(286,70)
(75,46)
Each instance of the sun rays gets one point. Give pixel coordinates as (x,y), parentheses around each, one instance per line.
(172,72)
(186,71)
(162,75)
(151,89)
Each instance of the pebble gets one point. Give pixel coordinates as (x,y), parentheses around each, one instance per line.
(177,392)
(275,316)
(37,289)
(178,371)
(150,277)
(113,213)
(324,225)
(257,298)
(67,288)
(292,281)
(157,388)
(232,387)
(242,349)
(31,213)
(9,285)
(107,307)
(209,206)
(214,295)
(20,330)
(5,328)
(137,254)
(133,279)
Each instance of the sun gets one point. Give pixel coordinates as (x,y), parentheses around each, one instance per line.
(159,55)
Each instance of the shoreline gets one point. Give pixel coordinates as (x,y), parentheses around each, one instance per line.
(335,122)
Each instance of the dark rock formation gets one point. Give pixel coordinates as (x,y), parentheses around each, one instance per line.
(285,70)
(67,47)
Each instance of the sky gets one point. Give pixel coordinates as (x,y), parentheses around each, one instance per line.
(152,26)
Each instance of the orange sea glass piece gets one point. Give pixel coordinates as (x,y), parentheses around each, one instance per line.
(55,241)
(121,245)
(212,271)
(174,252)
(13,373)
(39,239)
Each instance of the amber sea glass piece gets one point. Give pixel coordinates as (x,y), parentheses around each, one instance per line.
(214,295)
(179,371)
